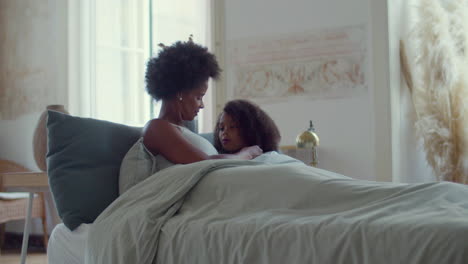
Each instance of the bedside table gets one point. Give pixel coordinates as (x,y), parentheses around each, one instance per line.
(31,182)
(305,155)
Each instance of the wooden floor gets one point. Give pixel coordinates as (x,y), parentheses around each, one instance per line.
(15,258)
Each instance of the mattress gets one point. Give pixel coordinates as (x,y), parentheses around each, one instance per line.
(67,247)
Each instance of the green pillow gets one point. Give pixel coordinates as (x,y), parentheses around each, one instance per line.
(83,163)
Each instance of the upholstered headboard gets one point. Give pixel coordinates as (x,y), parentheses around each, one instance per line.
(83,163)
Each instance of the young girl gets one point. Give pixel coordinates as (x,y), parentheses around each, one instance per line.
(243,123)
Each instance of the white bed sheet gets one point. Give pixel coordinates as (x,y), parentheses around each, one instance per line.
(67,247)
(232,211)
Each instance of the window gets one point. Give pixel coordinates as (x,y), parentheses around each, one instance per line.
(112,40)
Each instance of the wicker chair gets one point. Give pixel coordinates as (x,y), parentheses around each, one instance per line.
(15,209)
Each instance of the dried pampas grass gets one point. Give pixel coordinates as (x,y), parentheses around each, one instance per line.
(437,48)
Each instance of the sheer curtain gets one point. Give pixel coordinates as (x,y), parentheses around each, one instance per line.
(110,44)
(122,49)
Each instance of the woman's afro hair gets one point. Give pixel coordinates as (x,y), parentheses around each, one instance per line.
(256,126)
(180,67)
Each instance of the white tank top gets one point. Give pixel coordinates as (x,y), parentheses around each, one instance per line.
(196,140)
(139,163)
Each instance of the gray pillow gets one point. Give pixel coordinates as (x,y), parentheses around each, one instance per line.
(208,136)
(83,161)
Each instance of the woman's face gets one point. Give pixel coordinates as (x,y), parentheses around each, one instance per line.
(229,134)
(192,101)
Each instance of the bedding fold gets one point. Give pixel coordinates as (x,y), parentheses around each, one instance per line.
(127,231)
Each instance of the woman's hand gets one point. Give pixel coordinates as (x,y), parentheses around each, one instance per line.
(246,153)
(251,152)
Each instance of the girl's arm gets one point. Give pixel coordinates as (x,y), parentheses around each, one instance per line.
(161,137)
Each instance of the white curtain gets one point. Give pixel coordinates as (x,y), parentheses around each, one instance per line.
(109,47)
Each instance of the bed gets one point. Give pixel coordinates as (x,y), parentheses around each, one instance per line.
(271,210)
(66,246)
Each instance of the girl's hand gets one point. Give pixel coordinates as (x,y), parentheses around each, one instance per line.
(251,152)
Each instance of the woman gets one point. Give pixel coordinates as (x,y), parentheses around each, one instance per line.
(243,123)
(178,77)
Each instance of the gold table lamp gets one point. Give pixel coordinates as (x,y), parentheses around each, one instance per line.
(309,139)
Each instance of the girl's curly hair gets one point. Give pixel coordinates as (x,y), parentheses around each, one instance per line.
(256,126)
(180,67)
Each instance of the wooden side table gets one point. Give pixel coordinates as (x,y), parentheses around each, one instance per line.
(30,182)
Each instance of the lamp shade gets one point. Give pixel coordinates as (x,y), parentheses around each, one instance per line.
(308,138)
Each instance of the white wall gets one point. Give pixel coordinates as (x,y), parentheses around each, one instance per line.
(346,125)
(33,68)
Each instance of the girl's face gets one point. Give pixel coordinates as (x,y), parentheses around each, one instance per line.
(192,101)
(229,134)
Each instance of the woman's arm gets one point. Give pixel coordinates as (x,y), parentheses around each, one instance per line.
(246,153)
(161,137)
